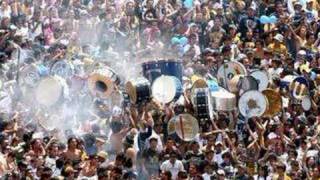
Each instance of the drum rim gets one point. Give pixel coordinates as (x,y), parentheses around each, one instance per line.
(95,76)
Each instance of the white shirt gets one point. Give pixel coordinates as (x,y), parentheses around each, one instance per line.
(173,168)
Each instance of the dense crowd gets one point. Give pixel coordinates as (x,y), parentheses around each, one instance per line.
(88,137)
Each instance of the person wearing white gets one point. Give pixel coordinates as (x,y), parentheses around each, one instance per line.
(173,165)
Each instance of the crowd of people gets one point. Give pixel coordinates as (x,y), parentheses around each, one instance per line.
(85,136)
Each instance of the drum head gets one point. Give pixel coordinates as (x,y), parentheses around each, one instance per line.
(49,91)
(186,127)
(306,103)
(62,68)
(252,103)
(262,79)
(171,126)
(164,89)
(228,70)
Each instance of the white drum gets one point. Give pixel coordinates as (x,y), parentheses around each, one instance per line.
(252,103)
(262,79)
(166,89)
(228,70)
(51,90)
(186,127)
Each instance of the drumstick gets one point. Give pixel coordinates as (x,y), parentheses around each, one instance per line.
(181,126)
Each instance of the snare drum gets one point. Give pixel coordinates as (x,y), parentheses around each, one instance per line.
(203,104)
(32,73)
(62,68)
(153,69)
(51,90)
(262,78)
(223,100)
(102,82)
(166,89)
(138,90)
(252,103)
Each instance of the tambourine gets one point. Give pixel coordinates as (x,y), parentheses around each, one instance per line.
(262,78)
(62,68)
(166,89)
(274,102)
(228,70)
(51,90)
(299,87)
(252,103)
(186,127)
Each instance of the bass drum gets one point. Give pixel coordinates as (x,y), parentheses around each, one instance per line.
(103,82)
(51,90)
(252,103)
(139,90)
(186,127)
(166,89)
(229,70)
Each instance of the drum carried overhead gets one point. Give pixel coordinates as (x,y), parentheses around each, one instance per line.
(252,103)
(203,103)
(223,100)
(139,90)
(186,126)
(228,70)
(166,89)
(51,90)
(153,69)
(102,82)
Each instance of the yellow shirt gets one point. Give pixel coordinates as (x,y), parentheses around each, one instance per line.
(280,50)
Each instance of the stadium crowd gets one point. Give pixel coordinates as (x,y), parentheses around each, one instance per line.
(113,142)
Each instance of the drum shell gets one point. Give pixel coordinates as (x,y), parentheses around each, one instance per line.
(153,69)
(203,103)
(105,75)
(139,90)
(223,100)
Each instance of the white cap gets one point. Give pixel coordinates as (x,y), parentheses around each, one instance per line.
(302,52)
(278,37)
